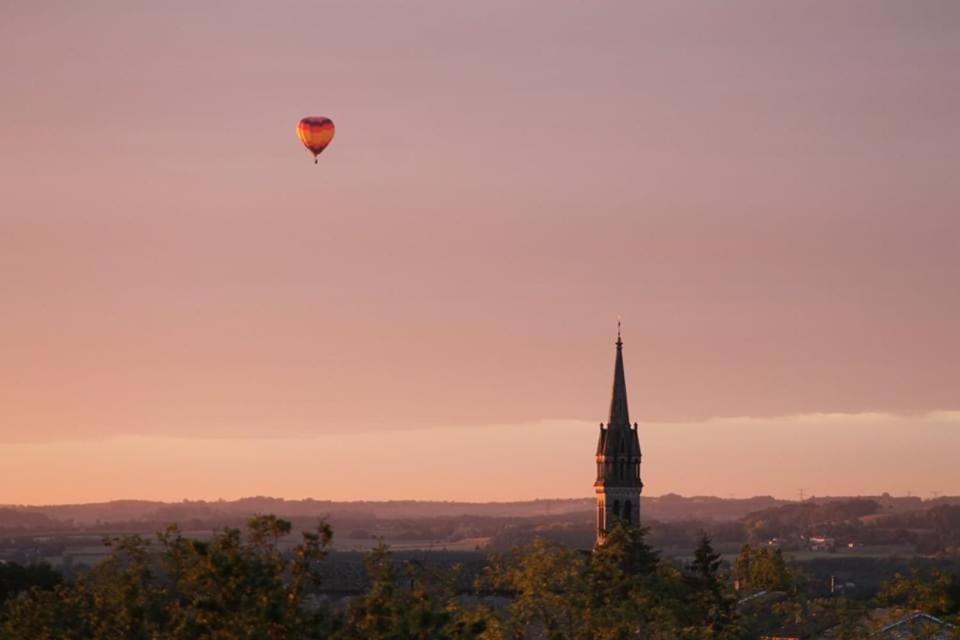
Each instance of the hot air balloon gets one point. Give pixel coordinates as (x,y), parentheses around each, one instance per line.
(315,132)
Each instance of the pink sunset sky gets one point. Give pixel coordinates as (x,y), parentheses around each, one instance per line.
(767,193)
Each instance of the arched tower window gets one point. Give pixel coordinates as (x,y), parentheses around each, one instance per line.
(627,512)
(616,508)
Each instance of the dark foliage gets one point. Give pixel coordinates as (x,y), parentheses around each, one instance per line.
(254,584)
(15,578)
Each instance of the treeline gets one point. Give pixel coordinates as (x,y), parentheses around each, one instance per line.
(934,530)
(807,517)
(863,522)
(240,584)
(124,513)
(119,514)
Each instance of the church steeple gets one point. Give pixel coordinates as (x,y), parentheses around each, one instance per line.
(619,413)
(618,456)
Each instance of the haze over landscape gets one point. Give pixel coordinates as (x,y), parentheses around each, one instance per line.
(340,319)
(191,308)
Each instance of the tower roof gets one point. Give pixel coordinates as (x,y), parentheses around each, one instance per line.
(619,438)
(619,413)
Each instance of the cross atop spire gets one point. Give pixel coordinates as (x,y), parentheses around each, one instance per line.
(619,413)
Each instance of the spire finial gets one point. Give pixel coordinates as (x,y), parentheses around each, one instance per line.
(619,341)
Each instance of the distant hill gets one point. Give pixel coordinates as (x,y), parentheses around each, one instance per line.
(666,508)
(930,527)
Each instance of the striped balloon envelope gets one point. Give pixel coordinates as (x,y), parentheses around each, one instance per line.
(315,132)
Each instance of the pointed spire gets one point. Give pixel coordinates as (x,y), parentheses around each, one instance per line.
(619,414)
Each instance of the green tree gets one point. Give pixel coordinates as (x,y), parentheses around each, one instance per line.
(410,602)
(15,578)
(255,584)
(742,565)
(711,593)
(622,590)
(626,547)
(546,583)
(706,563)
(762,568)
(231,587)
(935,592)
(241,587)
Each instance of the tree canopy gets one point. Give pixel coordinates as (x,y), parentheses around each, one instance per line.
(256,583)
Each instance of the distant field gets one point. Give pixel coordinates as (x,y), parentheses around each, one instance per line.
(364,544)
(877,551)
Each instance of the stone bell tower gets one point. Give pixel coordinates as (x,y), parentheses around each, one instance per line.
(618,482)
